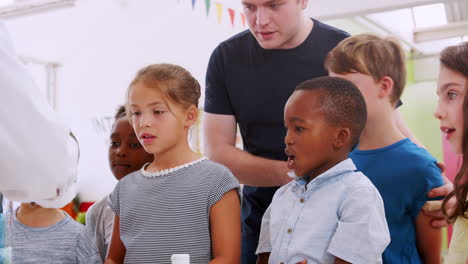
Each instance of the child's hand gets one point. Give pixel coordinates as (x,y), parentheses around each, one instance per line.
(431,206)
(438,218)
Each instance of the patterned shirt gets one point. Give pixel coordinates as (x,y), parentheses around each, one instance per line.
(100,220)
(67,241)
(170,214)
(337,214)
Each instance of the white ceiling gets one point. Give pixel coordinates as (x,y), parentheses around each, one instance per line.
(333,9)
(425,26)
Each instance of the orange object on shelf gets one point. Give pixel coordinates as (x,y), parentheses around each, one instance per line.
(69,208)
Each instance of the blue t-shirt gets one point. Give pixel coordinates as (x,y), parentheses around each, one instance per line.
(403,173)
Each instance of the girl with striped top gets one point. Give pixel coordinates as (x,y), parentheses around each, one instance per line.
(180,202)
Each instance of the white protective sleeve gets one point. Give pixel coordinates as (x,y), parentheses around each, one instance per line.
(38,157)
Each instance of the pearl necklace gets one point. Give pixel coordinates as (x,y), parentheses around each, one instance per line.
(154,174)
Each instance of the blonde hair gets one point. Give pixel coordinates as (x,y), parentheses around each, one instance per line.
(173,82)
(371,55)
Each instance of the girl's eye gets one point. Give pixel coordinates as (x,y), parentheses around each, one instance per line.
(135,113)
(451,95)
(157,112)
(115,144)
(135,145)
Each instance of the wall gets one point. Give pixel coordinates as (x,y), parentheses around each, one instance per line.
(100,45)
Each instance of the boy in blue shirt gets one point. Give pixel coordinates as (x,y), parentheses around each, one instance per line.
(402,172)
(330,213)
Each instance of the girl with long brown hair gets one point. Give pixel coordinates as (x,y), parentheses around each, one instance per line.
(452,111)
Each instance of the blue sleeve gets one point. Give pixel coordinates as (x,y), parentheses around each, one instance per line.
(216,94)
(427,178)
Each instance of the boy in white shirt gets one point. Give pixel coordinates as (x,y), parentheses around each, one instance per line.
(330,213)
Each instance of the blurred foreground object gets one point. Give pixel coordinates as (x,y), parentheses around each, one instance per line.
(38,155)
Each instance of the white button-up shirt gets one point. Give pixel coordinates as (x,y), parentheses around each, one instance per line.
(338,214)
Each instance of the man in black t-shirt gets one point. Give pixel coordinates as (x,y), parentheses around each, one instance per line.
(249,79)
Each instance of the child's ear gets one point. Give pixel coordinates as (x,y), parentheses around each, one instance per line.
(386,87)
(191,116)
(342,138)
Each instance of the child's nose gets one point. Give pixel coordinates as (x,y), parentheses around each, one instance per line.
(121,152)
(438,113)
(288,139)
(145,121)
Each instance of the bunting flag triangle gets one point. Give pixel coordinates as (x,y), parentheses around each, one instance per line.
(193,4)
(232,14)
(219,10)
(243,19)
(208,5)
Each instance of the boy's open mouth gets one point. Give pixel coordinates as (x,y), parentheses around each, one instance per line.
(291,158)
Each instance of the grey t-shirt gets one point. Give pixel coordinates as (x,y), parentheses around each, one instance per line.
(67,241)
(170,214)
(100,220)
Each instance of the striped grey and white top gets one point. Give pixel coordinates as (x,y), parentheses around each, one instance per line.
(66,241)
(100,221)
(169,214)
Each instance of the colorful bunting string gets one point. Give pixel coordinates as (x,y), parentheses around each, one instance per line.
(232,14)
(207,4)
(219,11)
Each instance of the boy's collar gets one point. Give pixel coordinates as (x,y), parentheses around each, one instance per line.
(346,165)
